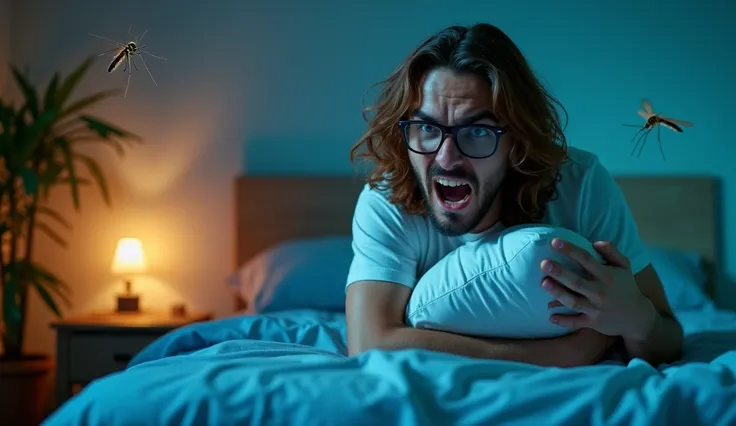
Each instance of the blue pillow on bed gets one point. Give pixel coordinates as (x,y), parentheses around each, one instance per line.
(306,273)
(684,277)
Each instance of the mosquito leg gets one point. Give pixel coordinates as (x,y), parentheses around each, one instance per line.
(659,140)
(107,39)
(158,57)
(132,59)
(144,34)
(130,74)
(637,135)
(638,147)
(127,86)
(640,141)
(635,140)
(108,51)
(149,71)
(129,28)
(643,142)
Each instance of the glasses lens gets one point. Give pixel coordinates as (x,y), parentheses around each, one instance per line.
(423,137)
(477,141)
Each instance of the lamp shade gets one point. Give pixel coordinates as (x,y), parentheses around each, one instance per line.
(129,257)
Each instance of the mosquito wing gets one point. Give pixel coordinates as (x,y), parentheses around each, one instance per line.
(682,123)
(647,106)
(643,114)
(672,126)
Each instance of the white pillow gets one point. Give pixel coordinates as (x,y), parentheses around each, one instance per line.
(493,287)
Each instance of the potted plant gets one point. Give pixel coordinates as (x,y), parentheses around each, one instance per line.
(41,148)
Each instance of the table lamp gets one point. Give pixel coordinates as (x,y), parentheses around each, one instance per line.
(128,260)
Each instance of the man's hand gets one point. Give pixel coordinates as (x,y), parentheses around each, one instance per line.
(609,301)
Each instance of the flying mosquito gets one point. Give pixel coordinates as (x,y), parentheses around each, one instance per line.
(653,120)
(125,53)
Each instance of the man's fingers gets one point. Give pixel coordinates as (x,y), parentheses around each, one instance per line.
(575,322)
(611,255)
(571,280)
(583,257)
(554,304)
(576,302)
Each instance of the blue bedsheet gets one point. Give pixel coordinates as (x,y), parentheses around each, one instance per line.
(291,368)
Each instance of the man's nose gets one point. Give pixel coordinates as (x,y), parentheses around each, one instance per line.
(449,155)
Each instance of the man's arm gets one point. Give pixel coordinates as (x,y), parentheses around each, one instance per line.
(375,320)
(662,343)
(605,216)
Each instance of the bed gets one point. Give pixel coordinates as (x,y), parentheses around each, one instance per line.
(281,358)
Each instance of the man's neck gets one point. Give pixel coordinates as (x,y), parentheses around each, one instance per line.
(484,226)
(491,218)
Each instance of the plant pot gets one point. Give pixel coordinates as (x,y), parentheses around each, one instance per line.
(24,387)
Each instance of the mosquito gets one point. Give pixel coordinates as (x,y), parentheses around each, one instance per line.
(125,53)
(654,120)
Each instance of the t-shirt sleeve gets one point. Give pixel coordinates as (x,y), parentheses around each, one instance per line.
(382,250)
(605,216)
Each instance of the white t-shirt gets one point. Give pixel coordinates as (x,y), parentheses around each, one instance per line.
(391,245)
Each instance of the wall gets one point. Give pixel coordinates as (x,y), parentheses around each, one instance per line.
(262,89)
(4,42)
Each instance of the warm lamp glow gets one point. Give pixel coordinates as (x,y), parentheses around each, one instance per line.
(129,257)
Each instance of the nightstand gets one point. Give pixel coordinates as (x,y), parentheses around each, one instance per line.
(95,345)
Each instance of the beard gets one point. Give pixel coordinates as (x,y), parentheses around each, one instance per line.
(460,223)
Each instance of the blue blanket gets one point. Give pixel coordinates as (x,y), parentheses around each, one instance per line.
(291,368)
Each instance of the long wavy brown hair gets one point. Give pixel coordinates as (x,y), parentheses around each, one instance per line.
(538,146)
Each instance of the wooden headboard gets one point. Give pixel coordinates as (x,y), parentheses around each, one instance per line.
(270,210)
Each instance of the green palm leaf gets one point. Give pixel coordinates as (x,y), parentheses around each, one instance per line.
(71,169)
(106,130)
(96,172)
(50,97)
(30,180)
(70,82)
(29,92)
(47,298)
(52,282)
(88,101)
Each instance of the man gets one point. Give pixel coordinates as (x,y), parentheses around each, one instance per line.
(465,139)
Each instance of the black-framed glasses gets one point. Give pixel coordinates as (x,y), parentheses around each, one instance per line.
(473,140)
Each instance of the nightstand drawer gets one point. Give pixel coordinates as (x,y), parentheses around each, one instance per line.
(93,355)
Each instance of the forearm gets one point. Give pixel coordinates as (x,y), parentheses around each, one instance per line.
(661,344)
(375,313)
(554,352)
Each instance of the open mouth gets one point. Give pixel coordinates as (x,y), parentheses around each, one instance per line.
(453,194)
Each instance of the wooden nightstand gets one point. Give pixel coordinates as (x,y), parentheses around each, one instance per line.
(95,345)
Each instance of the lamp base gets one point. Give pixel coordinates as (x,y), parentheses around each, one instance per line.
(128,303)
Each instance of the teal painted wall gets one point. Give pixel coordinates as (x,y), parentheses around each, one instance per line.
(262,87)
